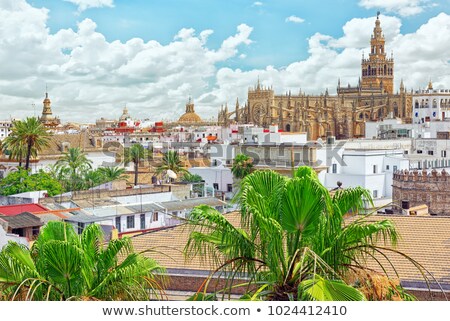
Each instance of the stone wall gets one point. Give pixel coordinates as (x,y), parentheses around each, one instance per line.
(423,187)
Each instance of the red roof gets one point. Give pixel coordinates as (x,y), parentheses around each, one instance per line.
(12,210)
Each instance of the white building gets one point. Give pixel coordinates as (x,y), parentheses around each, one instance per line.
(430,118)
(431,105)
(259,135)
(135,217)
(370,169)
(219,178)
(5,128)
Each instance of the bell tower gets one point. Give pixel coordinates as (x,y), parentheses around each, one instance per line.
(378,70)
(47,113)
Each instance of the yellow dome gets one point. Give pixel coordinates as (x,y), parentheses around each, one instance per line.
(191,117)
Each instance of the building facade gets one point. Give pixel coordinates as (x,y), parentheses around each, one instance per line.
(342,115)
(423,187)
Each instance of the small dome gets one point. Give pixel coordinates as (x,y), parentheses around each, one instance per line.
(190,117)
(125,115)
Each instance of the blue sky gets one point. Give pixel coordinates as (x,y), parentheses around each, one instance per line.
(96,56)
(276,41)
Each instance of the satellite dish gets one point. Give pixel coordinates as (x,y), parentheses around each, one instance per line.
(171,174)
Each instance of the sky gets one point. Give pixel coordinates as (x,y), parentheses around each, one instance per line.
(97,56)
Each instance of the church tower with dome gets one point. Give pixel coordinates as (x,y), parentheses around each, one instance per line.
(47,117)
(190,116)
(378,70)
(342,115)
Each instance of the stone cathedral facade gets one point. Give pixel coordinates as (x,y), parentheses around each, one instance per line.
(342,115)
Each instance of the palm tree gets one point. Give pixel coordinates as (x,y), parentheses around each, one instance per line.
(135,154)
(292,243)
(171,161)
(27,138)
(15,149)
(242,166)
(110,174)
(73,165)
(63,265)
(197,180)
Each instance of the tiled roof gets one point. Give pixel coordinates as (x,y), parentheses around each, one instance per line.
(166,246)
(425,239)
(22,220)
(11,210)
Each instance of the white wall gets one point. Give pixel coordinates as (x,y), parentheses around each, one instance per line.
(215,175)
(6,237)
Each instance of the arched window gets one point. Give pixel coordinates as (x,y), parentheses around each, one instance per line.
(385,70)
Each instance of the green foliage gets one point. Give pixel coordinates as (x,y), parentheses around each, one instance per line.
(27,138)
(135,154)
(171,160)
(292,243)
(194,178)
(22,181)
(62,265)
(242,166)
(74,171)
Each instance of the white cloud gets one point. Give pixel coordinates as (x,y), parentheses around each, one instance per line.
(86,4)
(402,7)
(418,56)
(257,4)
(294,19)
(90,77)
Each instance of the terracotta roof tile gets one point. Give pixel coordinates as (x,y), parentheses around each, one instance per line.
(425,239)
(167,247)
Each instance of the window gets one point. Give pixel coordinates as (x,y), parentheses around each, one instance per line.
(142,217)
(394,168)
(375,169)
(387,167)
(118,227)
(419,151)
(130,221)
(35,230)
(334,170)
(430,152)
(230,188)
(216,186)
(443,153)
(155,217)
(375,194)
(80,227)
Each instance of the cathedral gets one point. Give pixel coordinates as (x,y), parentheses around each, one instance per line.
(342,115)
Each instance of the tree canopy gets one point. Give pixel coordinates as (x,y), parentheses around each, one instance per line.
(292,243)
(23,181)
(63,265)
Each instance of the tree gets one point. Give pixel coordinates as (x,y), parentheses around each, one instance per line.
(71,167)
(292,243)
(171,161)
(22,181)
(242,166)
(110,174)
(194,178)
(27,138)
(63,265)
(135,154)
